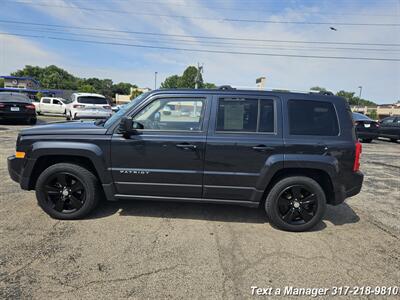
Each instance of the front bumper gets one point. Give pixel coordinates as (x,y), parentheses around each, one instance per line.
(15,169)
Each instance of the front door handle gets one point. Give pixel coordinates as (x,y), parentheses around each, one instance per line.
(262,148)
(186,146)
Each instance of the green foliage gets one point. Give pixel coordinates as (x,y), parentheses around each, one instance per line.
(135,93)
(38,96)
(53,77)
(318,88)
(171,82)
(373,114)
(353,100)
(87,88)
(1,82)
(186,81)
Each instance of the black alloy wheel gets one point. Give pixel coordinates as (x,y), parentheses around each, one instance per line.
(297,204)
(68,191)
(65,192)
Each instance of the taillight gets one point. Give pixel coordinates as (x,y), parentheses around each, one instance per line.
(357,157)
(107,106)
(78,106)
(30,106)
(2,105)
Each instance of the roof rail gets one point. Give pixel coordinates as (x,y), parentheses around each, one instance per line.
(325,93)
(225,87)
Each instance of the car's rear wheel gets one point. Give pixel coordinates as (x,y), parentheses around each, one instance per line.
(67,191)
(31,121)
(295,203)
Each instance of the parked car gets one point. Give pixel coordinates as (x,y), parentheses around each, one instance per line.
(366,128)
(282,151)
(88,106)
(18,107)
(50,105)
(390,128)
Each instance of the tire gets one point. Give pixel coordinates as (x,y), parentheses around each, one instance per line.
(278,206)
(78,203)
(31,121)
(367,140)
(393,140)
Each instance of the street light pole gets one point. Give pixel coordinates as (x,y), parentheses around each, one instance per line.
(155,80)
(359,96)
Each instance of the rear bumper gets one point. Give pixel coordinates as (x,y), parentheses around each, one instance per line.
(16,115)
(351,188)
(367,135)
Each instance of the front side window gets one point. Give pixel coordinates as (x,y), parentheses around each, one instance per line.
(245,115)
(308,117)
(172,115)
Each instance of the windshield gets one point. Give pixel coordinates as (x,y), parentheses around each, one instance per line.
(92,100)
(124,109)
(8,97)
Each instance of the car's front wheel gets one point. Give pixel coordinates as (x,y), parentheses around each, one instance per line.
(67,191)
(295,203)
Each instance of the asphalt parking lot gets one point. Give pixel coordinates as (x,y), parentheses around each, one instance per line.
(148,250)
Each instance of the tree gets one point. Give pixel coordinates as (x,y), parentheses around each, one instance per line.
(353,100)
(122,88)
(186,81)
(1,82)
(135,92)
(170,82)
(318,89)
(373,114)
(87,88)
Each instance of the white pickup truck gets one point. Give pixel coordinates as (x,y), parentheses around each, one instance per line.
(49,105)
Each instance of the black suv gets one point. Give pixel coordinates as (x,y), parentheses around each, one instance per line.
(292,153)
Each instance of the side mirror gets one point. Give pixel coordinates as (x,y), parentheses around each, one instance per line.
(128,126)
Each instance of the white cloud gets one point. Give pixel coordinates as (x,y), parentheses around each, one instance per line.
(16,52)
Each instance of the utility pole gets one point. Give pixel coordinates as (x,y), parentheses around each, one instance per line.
(359,96)
(155,80)
(198,75)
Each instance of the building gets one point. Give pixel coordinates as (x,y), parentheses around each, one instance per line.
(382,110)
(123,99)
(27,85)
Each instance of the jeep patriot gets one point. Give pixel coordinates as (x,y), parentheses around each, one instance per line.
(289,153)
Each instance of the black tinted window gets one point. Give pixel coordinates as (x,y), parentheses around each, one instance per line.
(92,100)
(245,115)
(312,118)
(46,100)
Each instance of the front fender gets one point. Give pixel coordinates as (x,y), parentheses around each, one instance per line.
(59,148)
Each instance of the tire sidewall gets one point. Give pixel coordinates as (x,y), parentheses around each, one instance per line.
(271,203)
(75,170)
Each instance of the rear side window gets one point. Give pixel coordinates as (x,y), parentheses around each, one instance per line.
(312,118)
(245,115)
(46,100)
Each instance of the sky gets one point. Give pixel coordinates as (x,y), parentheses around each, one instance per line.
(222,33)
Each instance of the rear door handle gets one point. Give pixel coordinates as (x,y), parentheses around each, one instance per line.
(186,146)
(262,148)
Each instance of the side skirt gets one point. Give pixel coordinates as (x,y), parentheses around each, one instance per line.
(181,199)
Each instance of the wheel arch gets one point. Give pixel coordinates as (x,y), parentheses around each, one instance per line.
(321,176)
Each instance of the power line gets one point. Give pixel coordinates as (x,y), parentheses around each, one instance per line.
(212,19)
(197,36)
(210,43)
(207,51)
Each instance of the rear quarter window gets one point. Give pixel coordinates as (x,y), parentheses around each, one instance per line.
(308,117)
